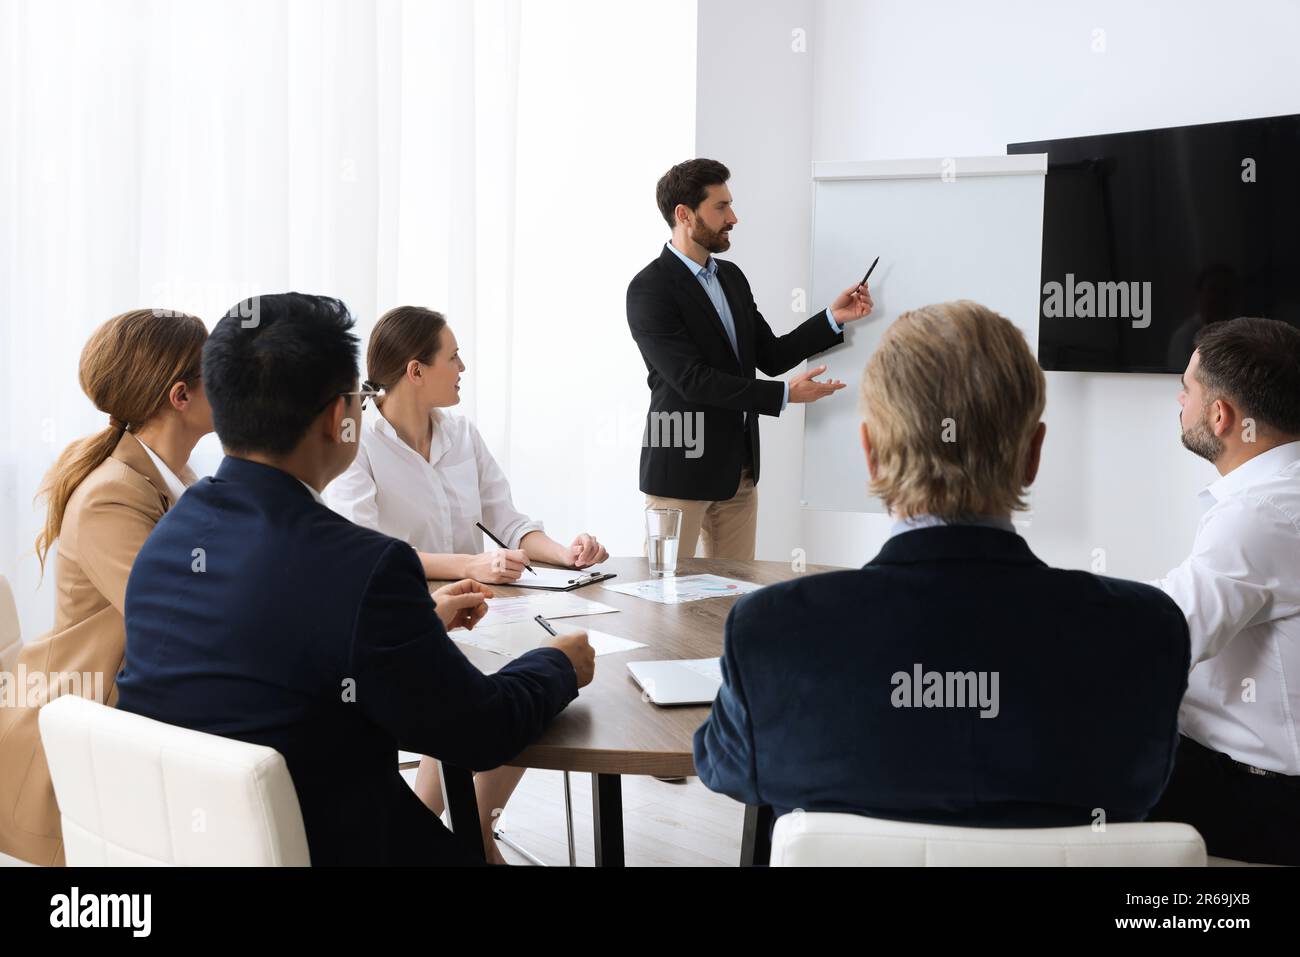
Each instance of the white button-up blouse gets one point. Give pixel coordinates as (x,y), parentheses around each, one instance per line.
(430,505)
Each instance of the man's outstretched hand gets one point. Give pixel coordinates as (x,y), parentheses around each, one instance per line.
(805,388)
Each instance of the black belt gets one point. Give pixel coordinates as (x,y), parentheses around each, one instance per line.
(1241,766)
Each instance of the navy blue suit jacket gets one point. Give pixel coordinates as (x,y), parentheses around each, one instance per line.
(1090,674)
(296,629)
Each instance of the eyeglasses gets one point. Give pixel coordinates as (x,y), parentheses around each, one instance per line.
(366,395)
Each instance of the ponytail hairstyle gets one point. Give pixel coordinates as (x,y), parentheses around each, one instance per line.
(127,369)
(400,335)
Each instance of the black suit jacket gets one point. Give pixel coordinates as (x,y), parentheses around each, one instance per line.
(1091,671)
(317,637)
(697,385)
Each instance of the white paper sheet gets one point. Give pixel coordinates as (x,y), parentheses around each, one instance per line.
(516,638)
(547,604)
(553,578)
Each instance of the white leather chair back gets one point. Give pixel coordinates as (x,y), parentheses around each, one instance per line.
(816,839)
(134,792)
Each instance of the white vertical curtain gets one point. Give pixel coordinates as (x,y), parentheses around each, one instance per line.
(493,159)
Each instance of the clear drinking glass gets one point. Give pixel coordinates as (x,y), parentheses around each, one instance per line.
(663,528)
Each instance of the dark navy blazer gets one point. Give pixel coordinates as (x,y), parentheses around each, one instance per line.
(813,712)
(254,612)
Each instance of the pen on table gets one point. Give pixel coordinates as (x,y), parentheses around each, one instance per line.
(547,625)
(484,530)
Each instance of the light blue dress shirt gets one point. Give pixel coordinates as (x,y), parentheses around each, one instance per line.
(934,521)
(708,278)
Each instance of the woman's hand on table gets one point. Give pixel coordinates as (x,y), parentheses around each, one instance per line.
(500,566)
(586,551)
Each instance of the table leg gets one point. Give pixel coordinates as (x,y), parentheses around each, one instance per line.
(568,822)
(756,839)
(459,799)
(607,809)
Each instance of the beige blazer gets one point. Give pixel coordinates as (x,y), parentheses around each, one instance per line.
(108,518)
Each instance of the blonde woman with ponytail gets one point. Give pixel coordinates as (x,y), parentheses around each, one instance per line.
(104,495)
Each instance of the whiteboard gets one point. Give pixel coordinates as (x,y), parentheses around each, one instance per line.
(955,228)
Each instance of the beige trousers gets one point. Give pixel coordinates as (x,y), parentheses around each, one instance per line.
(728,528)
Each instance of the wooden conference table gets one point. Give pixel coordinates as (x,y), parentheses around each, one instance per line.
(609,730)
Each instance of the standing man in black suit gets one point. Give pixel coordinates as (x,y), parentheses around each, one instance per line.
(701,335)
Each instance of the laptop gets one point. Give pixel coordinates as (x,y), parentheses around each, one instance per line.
(684,681)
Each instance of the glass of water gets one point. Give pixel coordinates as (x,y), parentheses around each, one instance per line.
(663,528)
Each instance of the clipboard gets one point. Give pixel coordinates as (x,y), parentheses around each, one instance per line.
(559,579)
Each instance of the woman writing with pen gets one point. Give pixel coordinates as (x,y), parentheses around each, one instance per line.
(426,477)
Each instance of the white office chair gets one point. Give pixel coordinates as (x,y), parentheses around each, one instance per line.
(133,792)
(11,636)
(815,839)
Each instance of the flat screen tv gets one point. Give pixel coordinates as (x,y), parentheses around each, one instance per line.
(1149,236)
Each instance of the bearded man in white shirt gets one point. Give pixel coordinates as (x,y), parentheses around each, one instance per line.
(1237,774)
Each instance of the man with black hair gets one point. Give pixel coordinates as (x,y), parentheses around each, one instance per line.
(1237,775)
(255,612)
(701,335)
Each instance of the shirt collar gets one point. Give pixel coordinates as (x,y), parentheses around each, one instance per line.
(175,487)
(933,521)
(437,447)
(1251,472)
(710,266)
(314,494)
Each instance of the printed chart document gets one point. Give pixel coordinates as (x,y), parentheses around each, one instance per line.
(674,590)
(503,611)
(515,638)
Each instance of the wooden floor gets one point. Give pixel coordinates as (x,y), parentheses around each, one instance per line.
(676,825)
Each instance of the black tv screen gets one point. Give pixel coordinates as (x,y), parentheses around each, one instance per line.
(1149,236)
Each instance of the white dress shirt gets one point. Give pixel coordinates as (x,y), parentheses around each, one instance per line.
(430,505)
(1240,591)
(314,494)
(175,487)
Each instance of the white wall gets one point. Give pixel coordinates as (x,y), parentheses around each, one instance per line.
(931,78)
(589,155)
(458,155)
(752,113)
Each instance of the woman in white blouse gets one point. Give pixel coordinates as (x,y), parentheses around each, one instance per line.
(425,476)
